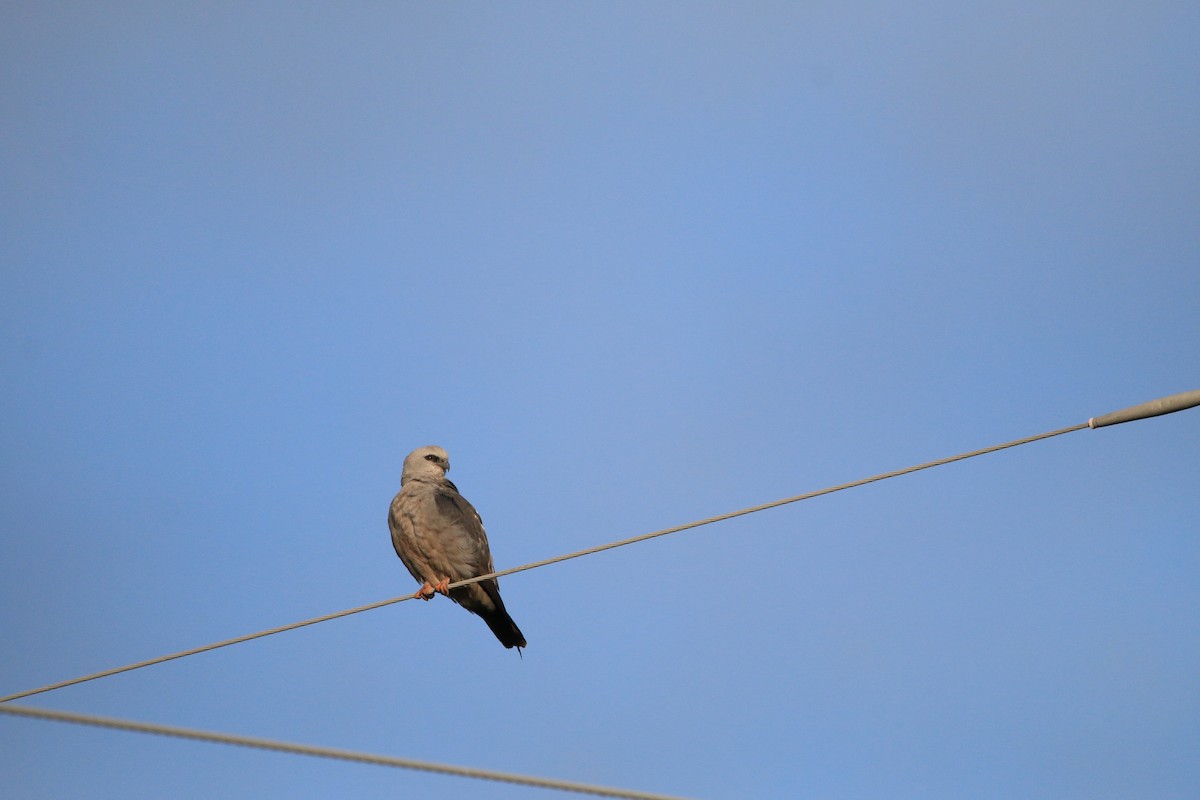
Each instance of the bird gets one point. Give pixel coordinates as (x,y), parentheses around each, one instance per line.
(440,538)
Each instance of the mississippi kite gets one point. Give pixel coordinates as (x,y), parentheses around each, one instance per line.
(439,537)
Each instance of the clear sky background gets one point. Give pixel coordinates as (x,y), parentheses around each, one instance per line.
(632,264)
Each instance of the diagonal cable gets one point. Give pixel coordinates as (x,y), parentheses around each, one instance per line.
(1165,405)
(329,752)
(534,565)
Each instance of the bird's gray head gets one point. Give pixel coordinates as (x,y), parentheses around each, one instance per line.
(425,463)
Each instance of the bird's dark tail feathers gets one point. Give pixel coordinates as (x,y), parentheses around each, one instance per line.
(503,626)
(483,600)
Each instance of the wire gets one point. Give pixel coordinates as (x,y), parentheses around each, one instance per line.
(203,649)
(329,752)
(546,562)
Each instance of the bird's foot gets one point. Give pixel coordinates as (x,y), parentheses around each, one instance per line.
(442,586)
(425,592)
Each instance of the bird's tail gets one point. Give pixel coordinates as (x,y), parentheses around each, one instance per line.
(503,626)
(483,600)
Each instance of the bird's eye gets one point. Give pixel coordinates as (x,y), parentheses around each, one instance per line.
(431,457)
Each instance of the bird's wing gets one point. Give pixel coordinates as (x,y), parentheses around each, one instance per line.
(462,529)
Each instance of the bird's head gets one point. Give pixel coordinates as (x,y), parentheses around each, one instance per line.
(429,462)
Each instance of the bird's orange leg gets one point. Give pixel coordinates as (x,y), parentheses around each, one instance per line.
(425,592)
(443,586)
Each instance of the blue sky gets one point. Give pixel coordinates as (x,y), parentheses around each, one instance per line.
(632,265)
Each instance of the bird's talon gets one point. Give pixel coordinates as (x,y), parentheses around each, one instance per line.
(425,592)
